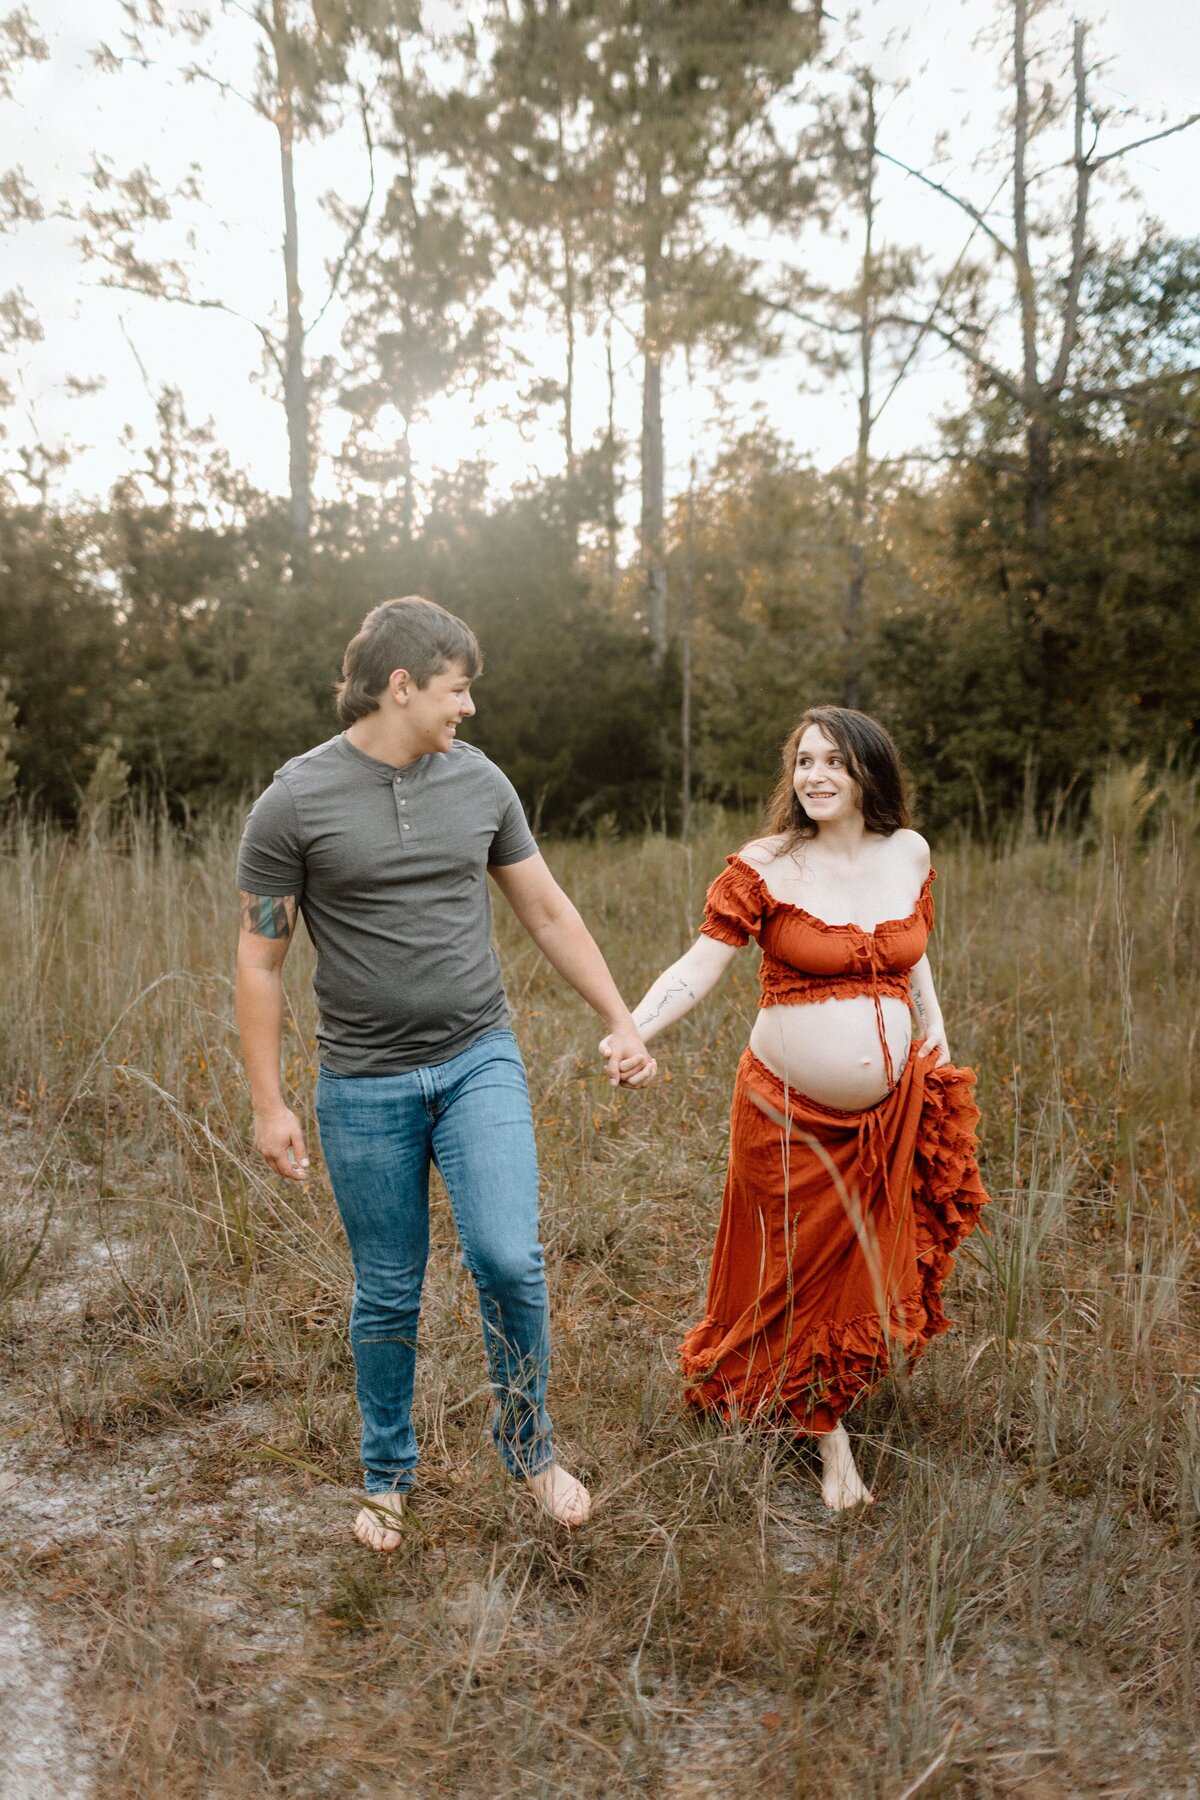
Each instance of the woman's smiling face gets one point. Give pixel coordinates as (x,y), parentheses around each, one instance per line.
(824,785)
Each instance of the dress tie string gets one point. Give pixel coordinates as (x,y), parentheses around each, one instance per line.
(872,1150)
(872,1156)
(873,959)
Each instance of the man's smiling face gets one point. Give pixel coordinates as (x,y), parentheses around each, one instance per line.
(435,711)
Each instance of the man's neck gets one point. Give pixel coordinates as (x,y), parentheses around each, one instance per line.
(384,739)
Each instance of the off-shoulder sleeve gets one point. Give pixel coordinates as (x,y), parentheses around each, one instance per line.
(733,907)
(925,903)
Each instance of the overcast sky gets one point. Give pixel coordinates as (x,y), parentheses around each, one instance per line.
(64,111)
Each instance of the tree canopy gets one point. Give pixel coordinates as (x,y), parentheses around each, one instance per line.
(1020,607)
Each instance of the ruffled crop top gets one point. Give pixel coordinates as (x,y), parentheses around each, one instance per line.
(803,958)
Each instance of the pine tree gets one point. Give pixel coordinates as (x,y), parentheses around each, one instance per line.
(297,85)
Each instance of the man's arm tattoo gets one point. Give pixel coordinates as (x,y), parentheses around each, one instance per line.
(269,915)
(672,993)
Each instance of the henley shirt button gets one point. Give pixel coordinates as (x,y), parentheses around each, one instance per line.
(404,828)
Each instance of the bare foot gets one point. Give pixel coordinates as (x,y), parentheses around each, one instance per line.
(841,1483)
(380,1524)
(559,1494)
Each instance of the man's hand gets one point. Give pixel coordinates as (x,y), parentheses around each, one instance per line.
(279,1139)
(627,1062)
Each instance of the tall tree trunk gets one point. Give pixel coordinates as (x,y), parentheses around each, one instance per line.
(568,256)
(1039,467)
(856,588)
(654,567)
(1036,475)
(295,380)
(685,657)
(1038,493)
(612,523)
(1037,433)
(572,507)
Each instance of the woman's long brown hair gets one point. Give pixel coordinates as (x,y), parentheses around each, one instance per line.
(873,761)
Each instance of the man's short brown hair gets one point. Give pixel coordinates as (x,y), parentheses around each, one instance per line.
(413,634)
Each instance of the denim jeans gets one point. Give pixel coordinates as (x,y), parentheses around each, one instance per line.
(379,1134)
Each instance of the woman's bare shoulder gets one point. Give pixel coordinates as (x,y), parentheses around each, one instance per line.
(761,852)
(913,848)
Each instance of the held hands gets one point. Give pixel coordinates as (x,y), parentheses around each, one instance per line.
(280,1141)
(627,1062)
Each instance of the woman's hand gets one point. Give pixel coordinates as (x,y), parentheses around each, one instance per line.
(934,1044)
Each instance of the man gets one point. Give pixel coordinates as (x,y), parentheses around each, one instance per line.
(382,838)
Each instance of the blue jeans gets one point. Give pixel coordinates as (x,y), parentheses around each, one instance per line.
(379,1134)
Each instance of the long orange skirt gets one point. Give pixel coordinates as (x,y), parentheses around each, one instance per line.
(836,1238)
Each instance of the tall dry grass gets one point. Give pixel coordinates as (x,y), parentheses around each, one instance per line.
(1017,1613)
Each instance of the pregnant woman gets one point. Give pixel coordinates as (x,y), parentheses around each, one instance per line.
(852,1172)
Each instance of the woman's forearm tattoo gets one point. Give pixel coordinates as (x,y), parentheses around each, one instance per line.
(268,915)
(653,1014)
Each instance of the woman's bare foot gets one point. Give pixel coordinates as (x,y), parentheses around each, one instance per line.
(380,1524)
(559,1494)
(841,1483)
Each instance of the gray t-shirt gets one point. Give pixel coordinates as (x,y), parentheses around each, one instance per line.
(390,867)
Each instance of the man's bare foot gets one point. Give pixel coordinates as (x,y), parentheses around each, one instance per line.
(841,1483)
(559,1494)
(380,1524)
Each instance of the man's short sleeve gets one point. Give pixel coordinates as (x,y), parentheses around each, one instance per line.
(513,842)
(270,856)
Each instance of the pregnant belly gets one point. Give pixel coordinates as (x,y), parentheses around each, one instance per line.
(831,1050)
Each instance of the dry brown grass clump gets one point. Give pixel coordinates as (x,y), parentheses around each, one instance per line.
(1019,1611)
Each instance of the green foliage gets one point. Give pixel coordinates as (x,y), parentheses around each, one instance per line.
(185,643)
(769,574)
(179,632)
(570,703)
(562,162)
(59,646)
(995,683)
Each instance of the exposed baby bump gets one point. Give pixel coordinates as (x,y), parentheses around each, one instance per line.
(831,1050)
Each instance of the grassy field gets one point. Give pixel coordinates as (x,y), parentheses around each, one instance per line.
(1019,1613)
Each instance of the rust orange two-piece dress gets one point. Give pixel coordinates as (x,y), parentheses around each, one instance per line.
(837,1231)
